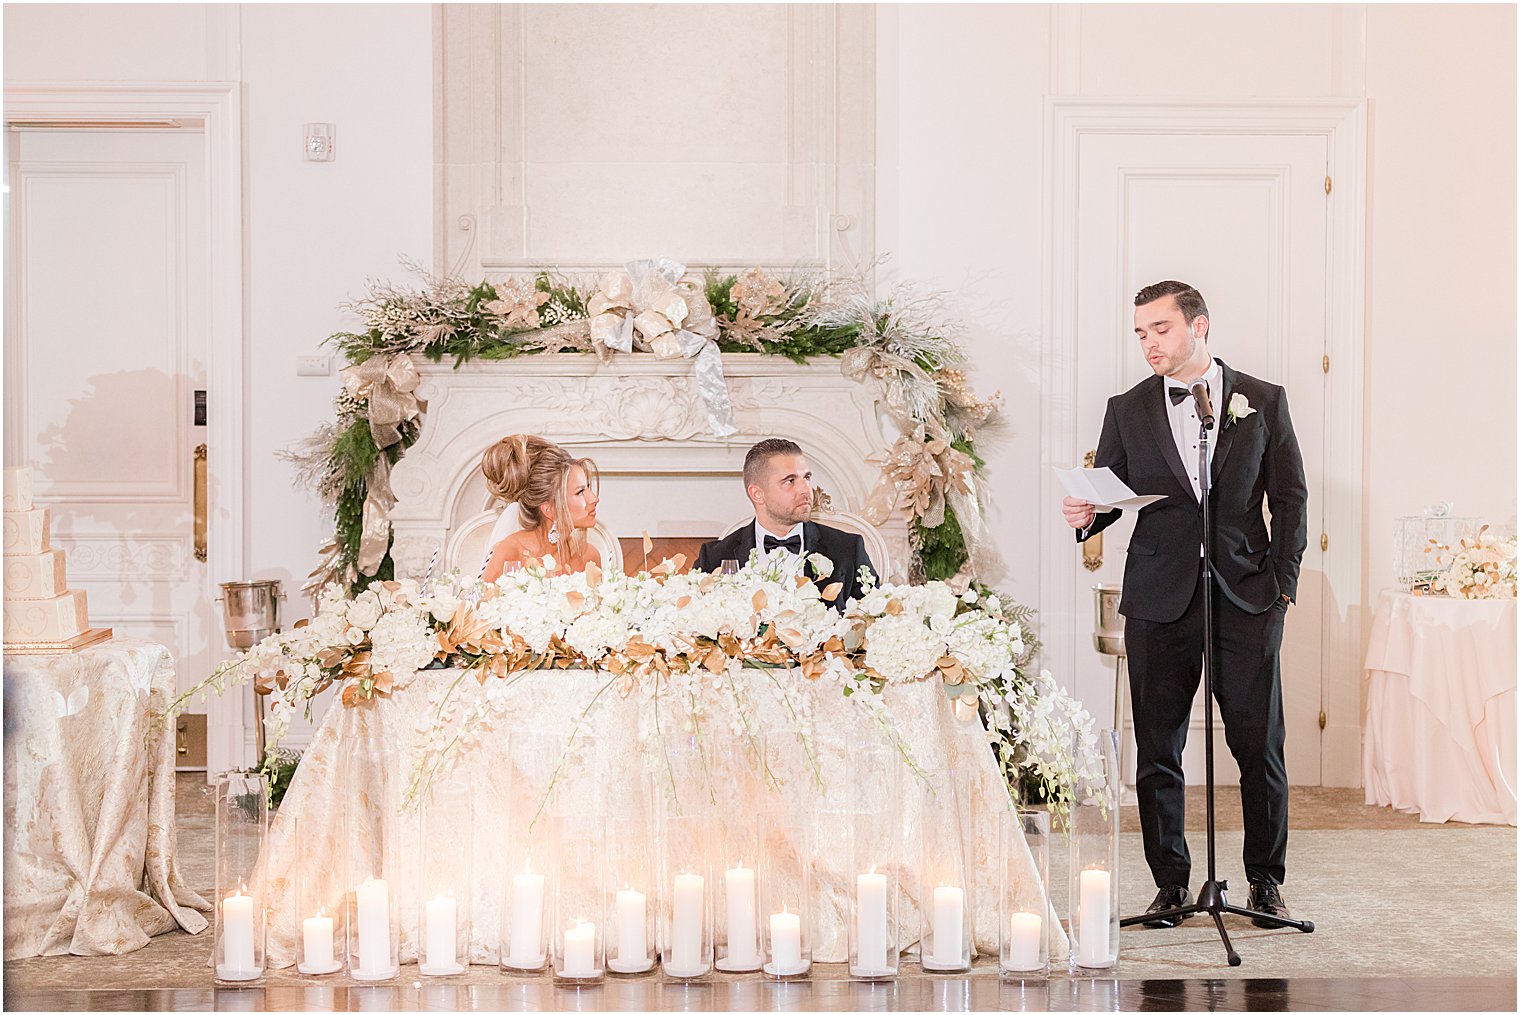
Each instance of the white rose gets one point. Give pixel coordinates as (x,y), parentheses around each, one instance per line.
(364,612)
(822,566)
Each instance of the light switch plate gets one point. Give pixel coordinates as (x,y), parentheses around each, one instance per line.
(321,143)
(319,365)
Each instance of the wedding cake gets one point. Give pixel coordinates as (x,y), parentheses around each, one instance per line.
(41,613)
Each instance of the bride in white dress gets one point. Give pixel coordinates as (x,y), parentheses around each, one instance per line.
(556,498)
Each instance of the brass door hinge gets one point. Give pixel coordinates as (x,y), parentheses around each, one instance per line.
(1324,541)
(1327,185)
(1325,364)
(1321,718)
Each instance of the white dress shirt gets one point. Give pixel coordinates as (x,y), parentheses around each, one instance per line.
(1185,422)
(796,530)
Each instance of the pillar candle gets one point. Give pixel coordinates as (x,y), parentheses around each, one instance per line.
(1025,933)
(1093,919)
(237,936)
(786,942)
(871,922)
(317,941)
(633,945)
(743,949)
(442,932)
(527,920)
(580,950)
(374,919)
(949,926)
(686,924)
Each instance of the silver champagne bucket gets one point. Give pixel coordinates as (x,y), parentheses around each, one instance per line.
(1108,624)
(250,611)
(1108,639)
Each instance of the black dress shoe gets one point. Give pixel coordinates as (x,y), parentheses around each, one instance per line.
(1170,897)
(1266,898)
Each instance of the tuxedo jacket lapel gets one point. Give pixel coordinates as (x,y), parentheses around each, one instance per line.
(1226,428)
(1155,397)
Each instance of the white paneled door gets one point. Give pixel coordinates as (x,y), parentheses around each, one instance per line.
(1242,218)
(104,346)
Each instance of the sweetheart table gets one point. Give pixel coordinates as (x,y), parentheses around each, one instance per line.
(623,751)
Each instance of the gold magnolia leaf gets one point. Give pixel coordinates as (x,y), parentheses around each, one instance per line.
(894,607)
(648,543)
(707,582)
(831,591)
(759,600)
(593,575)
(683,602)
(575,599)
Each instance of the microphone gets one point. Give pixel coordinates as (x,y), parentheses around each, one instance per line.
(1200,390)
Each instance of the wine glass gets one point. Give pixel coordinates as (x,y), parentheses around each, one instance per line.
(729,567)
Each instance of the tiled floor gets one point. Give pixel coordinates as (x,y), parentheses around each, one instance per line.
(977,993)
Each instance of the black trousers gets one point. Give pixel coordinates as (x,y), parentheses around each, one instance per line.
(1165,665)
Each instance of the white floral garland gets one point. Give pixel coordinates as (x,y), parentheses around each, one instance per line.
(682,635)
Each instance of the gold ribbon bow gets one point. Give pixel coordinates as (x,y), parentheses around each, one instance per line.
(389,385)
(924,470)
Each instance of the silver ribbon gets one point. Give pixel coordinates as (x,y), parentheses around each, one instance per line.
(653,307)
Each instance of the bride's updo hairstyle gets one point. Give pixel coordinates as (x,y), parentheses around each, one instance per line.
(528,471)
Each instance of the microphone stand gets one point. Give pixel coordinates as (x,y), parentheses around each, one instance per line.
(1211,895)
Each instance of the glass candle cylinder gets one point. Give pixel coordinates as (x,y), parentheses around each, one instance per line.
(526,894)
(577,940)
(1023,895)
(686,902)
(374,862)
(944,872)
(736,920)
(1093,834)
(786,893)
(631,895)
(875,845)
(242,822)
(319,898)
(446,886)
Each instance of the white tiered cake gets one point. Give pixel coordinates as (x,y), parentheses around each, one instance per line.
(41,613)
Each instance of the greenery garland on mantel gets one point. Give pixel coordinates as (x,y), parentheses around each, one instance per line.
(900,340)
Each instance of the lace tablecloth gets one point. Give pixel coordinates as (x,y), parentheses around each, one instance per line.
(89,803)
(1440,732)
(621,758)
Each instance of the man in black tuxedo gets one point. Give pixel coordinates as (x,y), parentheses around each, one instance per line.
(780,486)
(1150,440)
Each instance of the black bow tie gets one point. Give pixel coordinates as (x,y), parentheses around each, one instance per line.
(790,543)
(1178,394)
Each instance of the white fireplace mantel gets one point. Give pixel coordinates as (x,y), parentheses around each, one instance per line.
(642,421)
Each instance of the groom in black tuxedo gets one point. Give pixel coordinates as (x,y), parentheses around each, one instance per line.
(1150,440)
(780,486)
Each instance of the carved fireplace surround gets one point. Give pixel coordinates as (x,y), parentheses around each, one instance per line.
(644,424)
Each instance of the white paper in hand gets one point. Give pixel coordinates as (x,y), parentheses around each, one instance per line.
(1104,490)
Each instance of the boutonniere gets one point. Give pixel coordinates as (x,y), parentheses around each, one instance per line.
(1240,407)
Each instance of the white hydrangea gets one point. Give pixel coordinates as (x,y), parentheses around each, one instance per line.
(902,647)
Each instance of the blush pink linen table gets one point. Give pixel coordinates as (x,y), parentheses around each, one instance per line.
(1439,738)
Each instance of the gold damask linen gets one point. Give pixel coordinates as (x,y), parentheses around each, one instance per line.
(619,767)
(89,803)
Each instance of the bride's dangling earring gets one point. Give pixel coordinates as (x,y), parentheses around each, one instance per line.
(553,535)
